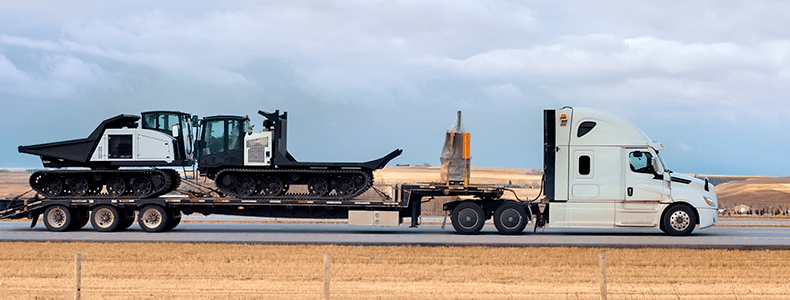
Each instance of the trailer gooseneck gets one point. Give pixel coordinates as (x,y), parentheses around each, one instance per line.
(600,171)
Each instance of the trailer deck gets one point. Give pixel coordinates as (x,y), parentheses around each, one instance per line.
(406,199)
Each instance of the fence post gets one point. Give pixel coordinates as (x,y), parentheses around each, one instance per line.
(327,263)
(78,276)
(603,276)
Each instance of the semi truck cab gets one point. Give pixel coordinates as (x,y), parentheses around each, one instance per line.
(604,172)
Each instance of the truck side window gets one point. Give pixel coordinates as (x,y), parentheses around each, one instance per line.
(640,162)
(584,128)
(584,165)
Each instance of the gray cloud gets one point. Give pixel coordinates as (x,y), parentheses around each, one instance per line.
(701,75)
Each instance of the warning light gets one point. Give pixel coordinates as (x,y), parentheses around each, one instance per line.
(563,120)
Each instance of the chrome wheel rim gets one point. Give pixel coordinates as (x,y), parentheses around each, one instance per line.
(679,220)
(57,217)
(104,217)
(152,218)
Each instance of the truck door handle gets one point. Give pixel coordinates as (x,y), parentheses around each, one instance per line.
(630,191)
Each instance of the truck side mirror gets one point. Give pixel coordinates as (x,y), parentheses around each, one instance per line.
(174,130)
(655,165)
(195,121)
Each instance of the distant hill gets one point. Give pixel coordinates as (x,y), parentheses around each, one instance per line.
(758,192)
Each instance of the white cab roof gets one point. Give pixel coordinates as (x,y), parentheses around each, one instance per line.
(609,129)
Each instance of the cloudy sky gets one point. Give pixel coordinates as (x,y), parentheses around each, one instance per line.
(709,79)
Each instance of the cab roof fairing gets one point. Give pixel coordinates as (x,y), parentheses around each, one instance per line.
(609,130)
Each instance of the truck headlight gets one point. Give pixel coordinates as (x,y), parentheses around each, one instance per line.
(710,201)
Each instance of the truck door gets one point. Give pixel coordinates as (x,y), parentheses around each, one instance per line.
(644,191)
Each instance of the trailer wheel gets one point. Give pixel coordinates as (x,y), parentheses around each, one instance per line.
(105,218)
(679,220)
(510,218)
(468,218)
(57,218)
(152,218)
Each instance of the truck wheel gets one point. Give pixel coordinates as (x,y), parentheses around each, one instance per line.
(510,218)
(105,218)
(468,218)
(57,218)
(153,218)
(679,220)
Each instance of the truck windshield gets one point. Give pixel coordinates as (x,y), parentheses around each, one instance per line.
(661,161)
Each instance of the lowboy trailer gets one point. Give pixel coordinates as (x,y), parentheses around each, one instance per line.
(388,206)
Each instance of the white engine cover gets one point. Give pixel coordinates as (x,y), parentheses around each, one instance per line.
(134,145)
(258,149)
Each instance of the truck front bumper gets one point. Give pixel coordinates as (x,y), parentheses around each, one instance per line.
(707,217)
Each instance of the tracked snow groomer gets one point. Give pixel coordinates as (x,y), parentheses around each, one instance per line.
(121,161)
(119,157)
(258,166)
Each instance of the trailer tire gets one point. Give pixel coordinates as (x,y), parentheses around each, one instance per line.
(153,218)
(105,218)
(510,218)
(57,218)
(468,218)
(679,220)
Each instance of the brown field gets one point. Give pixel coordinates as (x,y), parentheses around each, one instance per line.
(756,192)
(222,271)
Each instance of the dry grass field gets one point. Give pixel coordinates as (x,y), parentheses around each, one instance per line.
(233,271)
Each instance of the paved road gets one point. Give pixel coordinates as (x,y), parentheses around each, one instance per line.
(430,235)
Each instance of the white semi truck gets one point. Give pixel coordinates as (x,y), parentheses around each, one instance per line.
(600,171)
(603,172)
